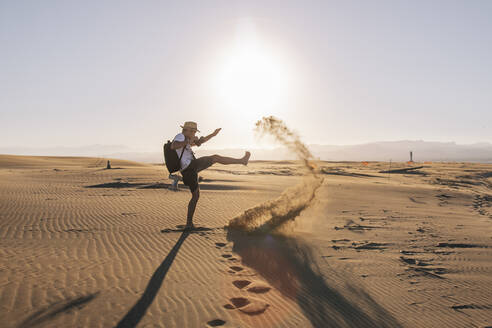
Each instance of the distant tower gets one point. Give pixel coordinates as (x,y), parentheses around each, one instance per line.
(411,156)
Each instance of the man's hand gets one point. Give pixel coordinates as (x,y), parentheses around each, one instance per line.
(216,132)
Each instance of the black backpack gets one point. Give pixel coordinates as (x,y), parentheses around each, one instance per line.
(173,163)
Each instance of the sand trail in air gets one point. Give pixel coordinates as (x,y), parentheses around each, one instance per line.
(271,215)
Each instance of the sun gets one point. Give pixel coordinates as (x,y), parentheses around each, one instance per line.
(251,76)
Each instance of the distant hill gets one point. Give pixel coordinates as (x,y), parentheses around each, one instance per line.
(89,150)
(399,151)
(54,162)
(375,151)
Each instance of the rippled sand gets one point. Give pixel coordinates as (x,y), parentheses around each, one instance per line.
(82,246)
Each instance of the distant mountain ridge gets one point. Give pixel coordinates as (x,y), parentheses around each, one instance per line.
(400,151)
(374,151)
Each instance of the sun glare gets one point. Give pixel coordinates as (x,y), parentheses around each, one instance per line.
(251,77)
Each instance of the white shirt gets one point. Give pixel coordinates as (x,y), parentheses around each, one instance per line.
(188,155)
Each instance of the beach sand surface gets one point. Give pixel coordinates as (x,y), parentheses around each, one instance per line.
(84,246)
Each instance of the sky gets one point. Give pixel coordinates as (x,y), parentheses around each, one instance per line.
(75,73)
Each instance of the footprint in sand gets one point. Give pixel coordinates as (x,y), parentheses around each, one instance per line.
(249,306)
(216,323)
(220,245)
(241,283)
(253,287)
(240,271)
(259,289)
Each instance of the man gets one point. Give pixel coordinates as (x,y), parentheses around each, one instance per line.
(190,166)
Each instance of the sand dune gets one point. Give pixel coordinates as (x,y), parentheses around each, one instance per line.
(81,246)
(17,161)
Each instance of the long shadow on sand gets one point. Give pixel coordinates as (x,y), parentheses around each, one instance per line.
(136,313)
(203,186)
(287,264)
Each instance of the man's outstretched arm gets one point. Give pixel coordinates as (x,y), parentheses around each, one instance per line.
(210,136)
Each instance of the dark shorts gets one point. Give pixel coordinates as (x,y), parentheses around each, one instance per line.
(190,174)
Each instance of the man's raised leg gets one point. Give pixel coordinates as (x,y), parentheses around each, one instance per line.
(229,160)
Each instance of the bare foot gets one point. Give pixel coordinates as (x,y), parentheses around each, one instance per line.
(246,158)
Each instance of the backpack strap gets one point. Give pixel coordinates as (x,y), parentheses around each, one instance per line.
(184,148)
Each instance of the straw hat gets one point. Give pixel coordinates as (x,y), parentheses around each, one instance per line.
(190,125)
